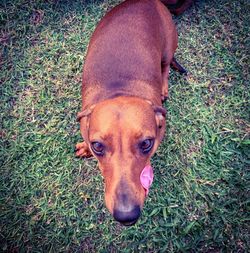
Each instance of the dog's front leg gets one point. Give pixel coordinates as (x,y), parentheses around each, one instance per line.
(82,150)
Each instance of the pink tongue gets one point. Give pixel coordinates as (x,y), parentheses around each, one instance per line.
(146,177)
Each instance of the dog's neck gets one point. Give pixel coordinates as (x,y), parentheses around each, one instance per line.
(97,92)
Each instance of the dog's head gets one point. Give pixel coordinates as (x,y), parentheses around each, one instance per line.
(123,133)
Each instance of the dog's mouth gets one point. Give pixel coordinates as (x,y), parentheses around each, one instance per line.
(129,223)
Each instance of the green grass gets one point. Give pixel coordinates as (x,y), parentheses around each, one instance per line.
(51,201)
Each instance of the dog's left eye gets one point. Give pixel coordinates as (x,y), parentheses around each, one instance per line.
(146,145)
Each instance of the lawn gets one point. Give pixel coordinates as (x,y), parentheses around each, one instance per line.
(50,201)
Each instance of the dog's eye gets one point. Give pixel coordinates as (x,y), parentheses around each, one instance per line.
(98,148)
(146,145)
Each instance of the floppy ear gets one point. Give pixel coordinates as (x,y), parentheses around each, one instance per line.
(160,115)
(85,112)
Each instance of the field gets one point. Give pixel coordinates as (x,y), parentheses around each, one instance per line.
(51,201)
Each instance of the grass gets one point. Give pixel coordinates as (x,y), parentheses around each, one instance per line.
(51,201)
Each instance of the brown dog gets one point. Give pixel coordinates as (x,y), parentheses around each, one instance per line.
(125,78)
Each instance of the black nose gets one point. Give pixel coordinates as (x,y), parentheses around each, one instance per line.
(127,218)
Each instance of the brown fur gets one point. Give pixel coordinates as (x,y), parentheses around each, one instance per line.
(125,78)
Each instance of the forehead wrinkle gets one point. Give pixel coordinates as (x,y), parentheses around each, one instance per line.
(140,129)
(103,123)
(104,137)
(131,121)
(138,135)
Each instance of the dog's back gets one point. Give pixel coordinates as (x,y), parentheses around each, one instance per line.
(126,50)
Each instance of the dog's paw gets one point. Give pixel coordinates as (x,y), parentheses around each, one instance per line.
(82,150)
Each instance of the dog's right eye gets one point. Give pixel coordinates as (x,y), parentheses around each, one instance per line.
(98,148)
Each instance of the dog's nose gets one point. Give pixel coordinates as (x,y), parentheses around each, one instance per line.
(127,218)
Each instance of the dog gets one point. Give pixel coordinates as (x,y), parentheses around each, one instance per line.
(125,80)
